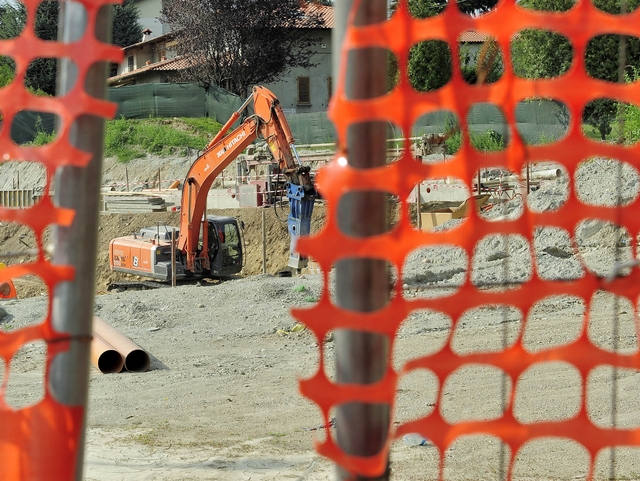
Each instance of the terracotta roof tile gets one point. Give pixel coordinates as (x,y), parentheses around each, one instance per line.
(326,12)
(159,38)
(176,63)
(473,36)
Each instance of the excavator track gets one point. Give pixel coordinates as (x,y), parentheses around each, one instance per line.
(135,285)
(147,285)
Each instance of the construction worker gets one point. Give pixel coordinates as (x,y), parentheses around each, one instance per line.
(7,289)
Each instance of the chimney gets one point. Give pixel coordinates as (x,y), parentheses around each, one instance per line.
(146,34)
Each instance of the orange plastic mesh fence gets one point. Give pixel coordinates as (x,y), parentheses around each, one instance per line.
(42,441)
(402,107)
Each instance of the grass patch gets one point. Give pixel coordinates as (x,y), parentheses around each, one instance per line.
(42,138)
(128,139)
(156,436)
(593,134)
(483,142)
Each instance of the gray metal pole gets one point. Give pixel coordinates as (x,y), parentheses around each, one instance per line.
(362,284)
(79,189)
(173,257)
(264,242)
(418,207)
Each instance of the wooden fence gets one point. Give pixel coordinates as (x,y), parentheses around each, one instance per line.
(19,198)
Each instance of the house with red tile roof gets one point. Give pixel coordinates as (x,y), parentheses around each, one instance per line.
(153,60)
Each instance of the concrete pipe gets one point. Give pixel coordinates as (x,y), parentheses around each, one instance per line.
(104,356)
(548,174)
(136,359)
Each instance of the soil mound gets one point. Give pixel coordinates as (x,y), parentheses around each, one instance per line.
(276,235)
(18,238)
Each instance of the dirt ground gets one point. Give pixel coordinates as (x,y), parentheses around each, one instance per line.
(221,399)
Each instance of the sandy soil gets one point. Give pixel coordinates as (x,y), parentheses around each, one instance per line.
(220,401)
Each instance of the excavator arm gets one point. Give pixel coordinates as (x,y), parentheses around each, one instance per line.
(269,122)
(300,190)
(196,187)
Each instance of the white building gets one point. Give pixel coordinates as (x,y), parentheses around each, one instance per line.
(154,59)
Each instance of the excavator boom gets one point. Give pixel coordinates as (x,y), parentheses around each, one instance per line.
(300,190)
(196,187)
(269,122)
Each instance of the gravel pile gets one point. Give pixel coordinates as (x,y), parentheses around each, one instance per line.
(22,175)
(595,246)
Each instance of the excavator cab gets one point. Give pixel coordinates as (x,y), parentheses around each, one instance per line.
(225,245)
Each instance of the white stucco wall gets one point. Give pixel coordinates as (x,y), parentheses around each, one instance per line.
(287,89)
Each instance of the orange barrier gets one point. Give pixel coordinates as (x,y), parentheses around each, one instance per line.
(10,290)
(42,442)
(403,106)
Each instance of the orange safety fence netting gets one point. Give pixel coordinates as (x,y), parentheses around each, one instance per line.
(42,441)
(403,106)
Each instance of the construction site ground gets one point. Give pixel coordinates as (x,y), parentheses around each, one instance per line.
(221,399)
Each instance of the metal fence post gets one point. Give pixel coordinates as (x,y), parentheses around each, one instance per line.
(78,189)
(362,284)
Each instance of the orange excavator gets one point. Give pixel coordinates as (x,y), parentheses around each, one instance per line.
(211,246)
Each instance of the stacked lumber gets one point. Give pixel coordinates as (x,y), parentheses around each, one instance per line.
(134,202)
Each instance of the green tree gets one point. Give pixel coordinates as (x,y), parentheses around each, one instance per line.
(545,54)
(41,73)
(631,112)
(237,45)
(430,8)
(11,21)
(540,54)
(430,62)
(9,28)
(7,72)
(429,65)
(126,24)
(602,62)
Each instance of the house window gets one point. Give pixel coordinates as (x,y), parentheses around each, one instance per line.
(329,87)
(304,90)
(130,63)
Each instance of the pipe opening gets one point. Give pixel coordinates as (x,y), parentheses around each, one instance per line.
(110,362)
(137,361)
